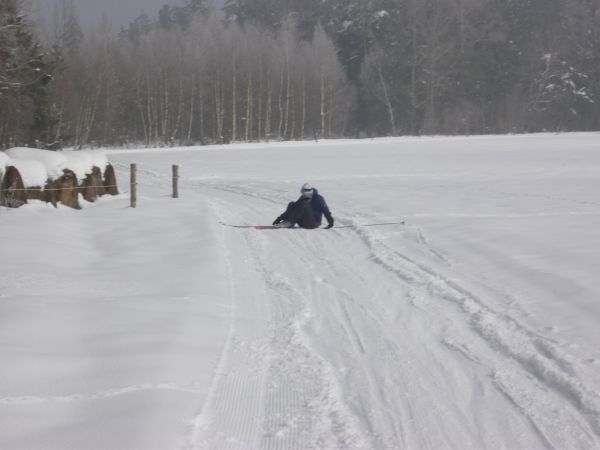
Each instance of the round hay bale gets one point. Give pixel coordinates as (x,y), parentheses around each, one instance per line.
(110,180)
(68,193)
(51,193)
(92,185)
(36,193)
(12,189)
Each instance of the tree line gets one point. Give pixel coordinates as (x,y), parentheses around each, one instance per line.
(297,69)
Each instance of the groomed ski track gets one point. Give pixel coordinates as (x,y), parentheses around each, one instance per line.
(369,338)
(377,337)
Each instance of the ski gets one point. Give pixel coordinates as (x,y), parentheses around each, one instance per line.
(257,227)
(275,227)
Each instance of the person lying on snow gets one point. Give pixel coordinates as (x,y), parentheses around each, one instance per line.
(306,212)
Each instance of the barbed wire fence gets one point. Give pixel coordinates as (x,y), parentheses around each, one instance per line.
(8,197)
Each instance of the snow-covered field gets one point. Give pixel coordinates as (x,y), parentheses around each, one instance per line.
(474,325)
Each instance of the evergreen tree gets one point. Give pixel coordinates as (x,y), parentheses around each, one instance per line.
(289,69)
(170,17)
(266,14)
(24,76)
(139,27)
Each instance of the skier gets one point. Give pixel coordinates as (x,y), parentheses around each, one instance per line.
(306,212)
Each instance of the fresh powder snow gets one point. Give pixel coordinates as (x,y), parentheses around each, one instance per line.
(4,162)
(472,325)
(54,162)
(80,162)
(33,173)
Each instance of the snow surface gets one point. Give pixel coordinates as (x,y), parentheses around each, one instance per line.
(4,162)
(54,162)
(475,325)
(33,173)
(80,162)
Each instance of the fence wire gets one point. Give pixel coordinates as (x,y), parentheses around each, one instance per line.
(57,189)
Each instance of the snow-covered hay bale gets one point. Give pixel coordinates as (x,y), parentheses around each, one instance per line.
(93,186)
(12,189)
(64,190)
(24,179)
(44,177)
(33,173)
(110,180)
(89,167)
(54,162)
(61,176)
(83,162)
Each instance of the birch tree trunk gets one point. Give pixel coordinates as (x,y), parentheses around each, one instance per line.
(303,120)
(248,107)
(152,126)
(260,101)
(330,111)
(191,115)
(89,117)
(287,95)
(268,111)
(218,112)
(166,111)
(386,98)
(175,130)
(323,95)
(280,102)
(293,113)
(142,114)
(234,98)
(201,108)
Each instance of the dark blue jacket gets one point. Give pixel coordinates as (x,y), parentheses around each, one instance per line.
(320,208)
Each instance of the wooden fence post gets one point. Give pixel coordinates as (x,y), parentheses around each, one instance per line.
(133,185)
(175,181)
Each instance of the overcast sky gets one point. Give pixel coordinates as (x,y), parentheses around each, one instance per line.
(119,12)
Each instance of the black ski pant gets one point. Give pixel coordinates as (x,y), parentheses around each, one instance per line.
(301,213)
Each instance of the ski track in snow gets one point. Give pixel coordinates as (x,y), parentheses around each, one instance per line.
(549,378)
(29,400)
(279,387)
(282,383)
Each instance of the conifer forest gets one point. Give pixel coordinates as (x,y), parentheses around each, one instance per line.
(258,70)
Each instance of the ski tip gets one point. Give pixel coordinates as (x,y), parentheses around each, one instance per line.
(256,227)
